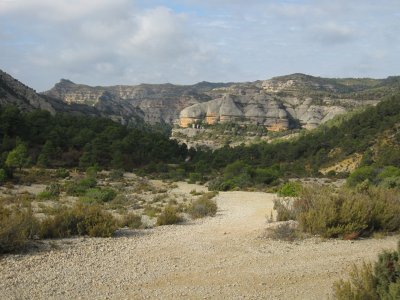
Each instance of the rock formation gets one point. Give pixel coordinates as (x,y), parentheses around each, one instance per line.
(279,103)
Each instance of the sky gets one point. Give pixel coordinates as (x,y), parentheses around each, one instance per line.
(108,42)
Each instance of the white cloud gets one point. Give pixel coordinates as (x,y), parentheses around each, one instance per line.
(332,33)
(184,41)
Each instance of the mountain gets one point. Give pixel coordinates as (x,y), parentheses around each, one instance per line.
(154,103)
(290,101)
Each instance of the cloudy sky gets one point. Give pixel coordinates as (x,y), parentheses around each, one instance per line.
(106,42)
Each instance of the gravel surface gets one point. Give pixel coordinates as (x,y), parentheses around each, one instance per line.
(212,258)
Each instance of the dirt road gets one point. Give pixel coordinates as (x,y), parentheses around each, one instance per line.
(213,258)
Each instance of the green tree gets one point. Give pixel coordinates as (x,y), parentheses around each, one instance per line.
(18,157)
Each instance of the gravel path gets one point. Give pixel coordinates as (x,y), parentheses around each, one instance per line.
(213,258)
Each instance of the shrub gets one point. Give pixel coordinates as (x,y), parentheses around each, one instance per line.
(284,232)
(284,209)
(361,174)
(62,173)
(131,220)
(116,174)
(379,282)
(151,211)
(52,191)
(343,213)
(79,220)
(204,206)
(79,188)
(17,226)
(97,195)
(290,189)
(91,172)
(265,176)
(389,172)
(3,176)
(168,216)
(195,177)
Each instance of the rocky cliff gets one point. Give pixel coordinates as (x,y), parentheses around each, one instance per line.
(154,103)
(295,100)
(279,103)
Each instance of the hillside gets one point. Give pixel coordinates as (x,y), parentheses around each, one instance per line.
(369,137)
(13,92)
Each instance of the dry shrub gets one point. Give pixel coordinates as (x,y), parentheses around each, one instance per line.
(284,232)
(131,220)
(343,212)
(381,281)
(204,206)
(168,216)
(17,226)
(81,219)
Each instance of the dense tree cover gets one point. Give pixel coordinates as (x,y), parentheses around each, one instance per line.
(70,141)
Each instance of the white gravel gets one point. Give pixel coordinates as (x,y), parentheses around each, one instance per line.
(213,258)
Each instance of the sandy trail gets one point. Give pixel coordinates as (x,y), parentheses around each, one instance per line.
(213,258)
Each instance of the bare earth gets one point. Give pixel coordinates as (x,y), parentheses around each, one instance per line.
(213,258)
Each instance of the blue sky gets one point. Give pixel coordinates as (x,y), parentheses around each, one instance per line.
(107,42)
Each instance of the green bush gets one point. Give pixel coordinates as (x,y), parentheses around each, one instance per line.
(204,206)
(168,216)
(379,282)
(361,174)
(81,219)
(79,188)
(343,213)
(98,195)
(388,172)
(131,220)
(290,189)
(17,226)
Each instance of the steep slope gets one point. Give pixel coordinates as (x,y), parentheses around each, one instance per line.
(13,92)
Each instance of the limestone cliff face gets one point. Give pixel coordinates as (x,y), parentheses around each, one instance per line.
(283,102)
(278,103)
(229,108)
